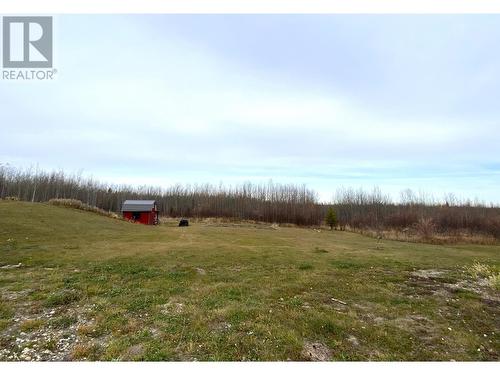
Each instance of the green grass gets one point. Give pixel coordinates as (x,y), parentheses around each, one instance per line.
(137,292)
(64,297)
(30,325)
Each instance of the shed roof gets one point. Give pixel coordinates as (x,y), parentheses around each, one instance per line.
(138,206)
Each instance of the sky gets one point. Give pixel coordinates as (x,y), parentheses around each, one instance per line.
(394,101)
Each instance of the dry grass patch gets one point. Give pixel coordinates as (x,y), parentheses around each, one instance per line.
(79,205)
(90,352)
(31,325)
(90,330)
(316,351)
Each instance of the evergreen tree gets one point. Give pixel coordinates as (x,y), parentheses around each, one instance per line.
(331,218)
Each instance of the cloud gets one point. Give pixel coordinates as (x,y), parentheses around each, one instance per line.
(352,100)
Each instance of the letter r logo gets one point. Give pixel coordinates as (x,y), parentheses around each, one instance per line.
(27,42)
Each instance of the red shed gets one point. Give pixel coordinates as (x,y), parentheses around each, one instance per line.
(144,212)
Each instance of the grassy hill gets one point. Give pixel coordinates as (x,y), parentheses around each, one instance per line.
(75,285)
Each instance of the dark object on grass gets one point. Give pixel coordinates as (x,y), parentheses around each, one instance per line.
(184,223)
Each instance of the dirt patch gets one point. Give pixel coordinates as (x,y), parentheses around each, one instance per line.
(316,351)
(373,318)
(327,301)
(368,309)
(234,223)
(442,293)
(9,295)
(435,282)
(428,282)
(480,287)
(45,343)
(201,271)
(411,321)
(221,326)
(428,274)
(51,339)
(134,352)
(353,340)
(172,307)
(419,326)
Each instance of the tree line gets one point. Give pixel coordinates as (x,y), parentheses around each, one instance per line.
(269,202)
(375,210)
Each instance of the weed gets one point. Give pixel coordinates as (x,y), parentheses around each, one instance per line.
(31,325)
(479,270)
(61,298)
(50,345)
(90,330)
(89,352)
(63,321)
(5,311)
(486,272)
(494,281)
(4,323)
(296,301)
(142,302)
(345,264)
(157,351)
(305,266)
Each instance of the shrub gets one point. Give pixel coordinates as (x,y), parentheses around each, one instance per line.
(425,228)
(493,227)
(73,203)
(79,205)
(401,220)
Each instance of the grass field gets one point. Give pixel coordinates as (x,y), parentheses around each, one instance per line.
(78,286)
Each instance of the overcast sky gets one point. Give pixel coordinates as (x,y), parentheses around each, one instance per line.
(393,101)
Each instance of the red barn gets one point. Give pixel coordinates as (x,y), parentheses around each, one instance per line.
(144,212)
